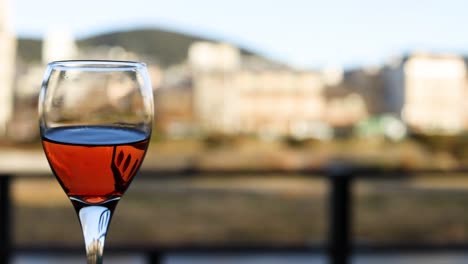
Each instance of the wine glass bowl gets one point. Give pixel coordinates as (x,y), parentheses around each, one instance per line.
(96,92)
(95,122)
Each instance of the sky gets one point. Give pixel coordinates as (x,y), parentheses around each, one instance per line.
(302,33)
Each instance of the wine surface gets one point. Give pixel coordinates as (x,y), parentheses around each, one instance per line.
(94,163)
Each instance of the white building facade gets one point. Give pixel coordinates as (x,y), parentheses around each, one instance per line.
(430,91)
(7,66)
(231,98)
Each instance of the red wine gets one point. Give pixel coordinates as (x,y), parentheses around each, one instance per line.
(94,164)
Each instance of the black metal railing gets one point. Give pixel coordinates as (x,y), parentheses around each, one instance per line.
(338,248)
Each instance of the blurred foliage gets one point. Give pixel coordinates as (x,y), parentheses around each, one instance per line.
(456,145)
(251,210)
(440,217)
(218,140)
(294,142)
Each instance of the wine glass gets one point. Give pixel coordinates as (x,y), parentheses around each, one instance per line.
(95,124)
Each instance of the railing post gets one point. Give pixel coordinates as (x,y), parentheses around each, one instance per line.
(340,177)
(5,219)
(155,258)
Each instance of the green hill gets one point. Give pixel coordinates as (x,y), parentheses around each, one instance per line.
(29,49)
(165,46)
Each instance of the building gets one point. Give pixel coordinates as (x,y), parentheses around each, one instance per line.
(173,101)
(355,98)
(280,102)
(231,97)
(428,92)
(7,66)
(215,97)
(58,44)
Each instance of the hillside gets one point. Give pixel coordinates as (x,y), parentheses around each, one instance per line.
(167,47)
(29,49)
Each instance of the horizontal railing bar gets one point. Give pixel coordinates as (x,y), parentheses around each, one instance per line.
(405,247)
(357,172)
(142,249)
(378,248)
(352,171)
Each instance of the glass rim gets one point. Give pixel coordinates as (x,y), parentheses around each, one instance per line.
(96,64)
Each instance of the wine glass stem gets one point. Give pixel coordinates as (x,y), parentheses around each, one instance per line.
(94,222)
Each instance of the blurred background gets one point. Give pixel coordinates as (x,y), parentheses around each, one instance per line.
(258,86)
